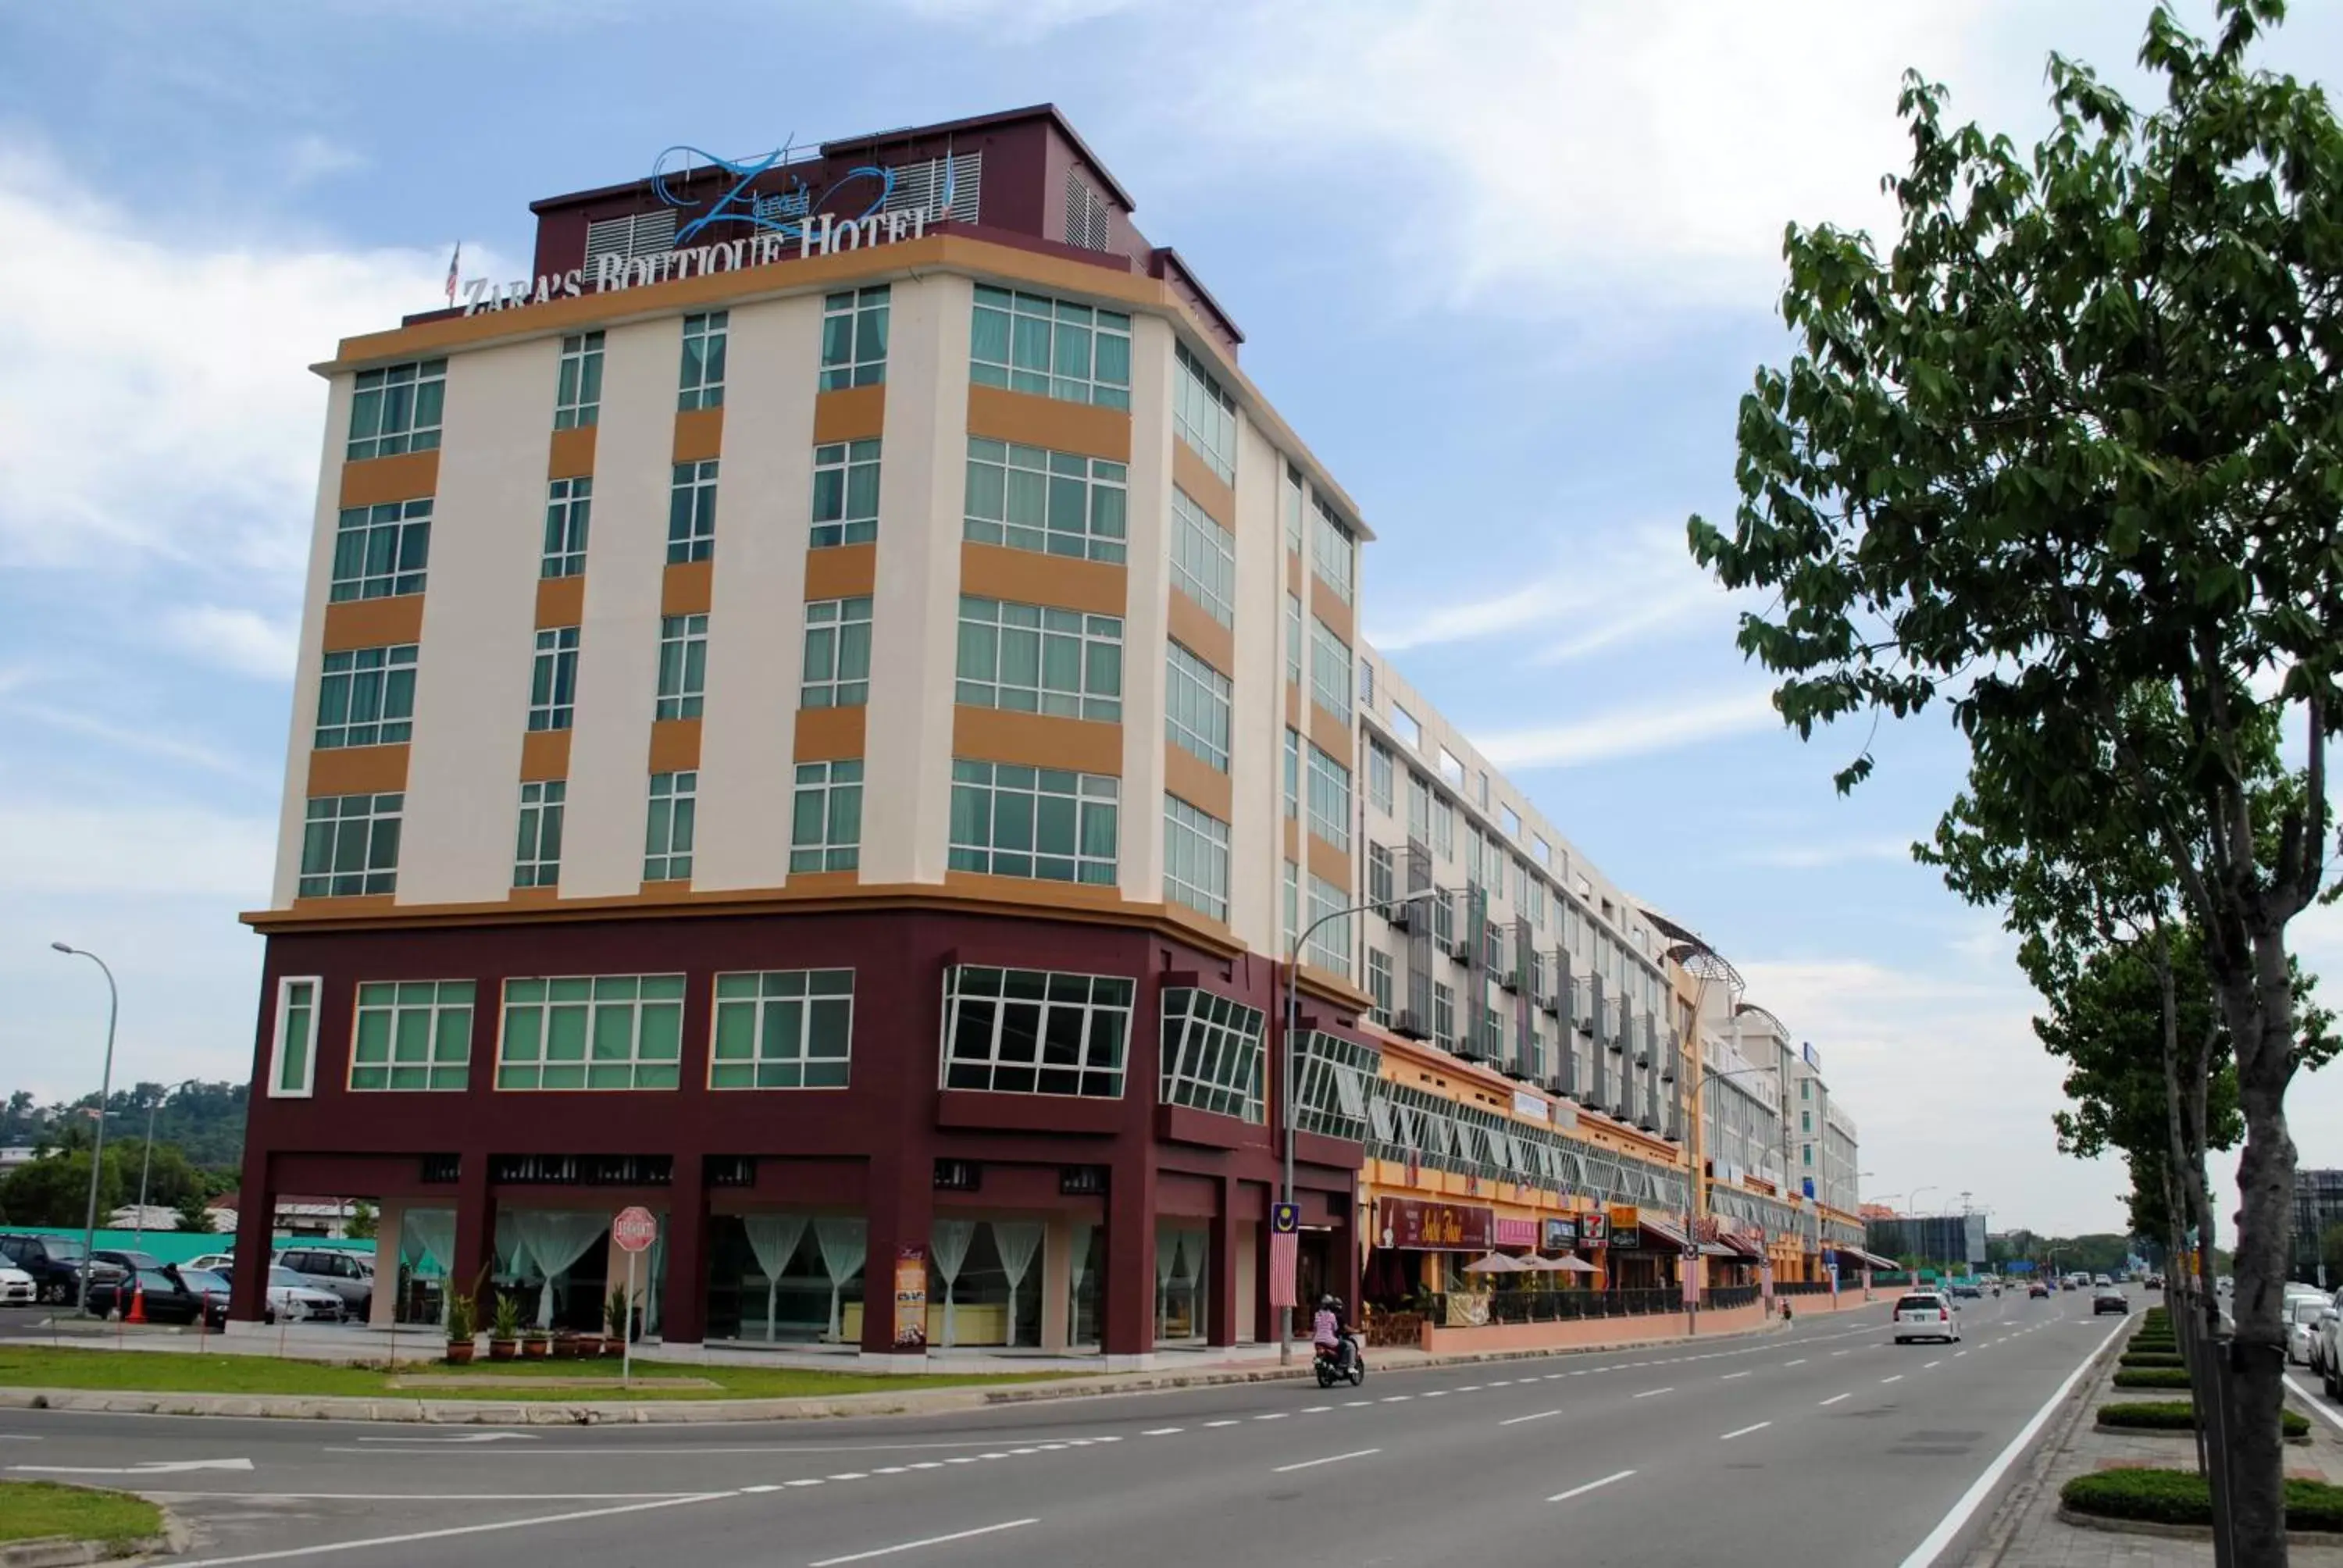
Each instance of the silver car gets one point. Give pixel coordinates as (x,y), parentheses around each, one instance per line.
(292,1298)
(2302,1316)
(348,1276)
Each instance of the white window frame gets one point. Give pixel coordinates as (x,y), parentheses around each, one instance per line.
(1203,414)
(1197,701)
(355,575)
(284,984)
(765,1024)
(1382,768)
(831,647)
(635,1065)
(682,667)
(1407,727)
(1095,641)
(457,1074)
(1114,1046)
(1330,670)
(1213,1054)
(1333,551)
(1328,946)
(854,333)
(380,808)
(701,385)
(1040,315)
(1053,503)
(532,867)
(691,511)
(1329,800)
(553,678)
(668,855)
(835,790)
(1026,789)
(1203,558)
(382,679)
(841,514)
(418,388)
(1195,858)
(568,517)
(577,385)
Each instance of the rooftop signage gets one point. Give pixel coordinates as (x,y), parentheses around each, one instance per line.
(743,227)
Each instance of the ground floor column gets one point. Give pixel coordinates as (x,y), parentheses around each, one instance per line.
(900,1214)
(255,1224)
(683,1302)
(382,1309)
(475,1230)
(1058,1282)
(1220,1265)
(1127,1290)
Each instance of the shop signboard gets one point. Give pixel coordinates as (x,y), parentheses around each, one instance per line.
(1593,1229)
(1516,1233)
(1625,1217)
(912,1297)
(1423,1226)
(1560,1235)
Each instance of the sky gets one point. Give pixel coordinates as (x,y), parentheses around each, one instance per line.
(1507,268)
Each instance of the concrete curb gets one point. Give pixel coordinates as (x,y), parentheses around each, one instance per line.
(925,1401)
(63,1552)
(2163,1532)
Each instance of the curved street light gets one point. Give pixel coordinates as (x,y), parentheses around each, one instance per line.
(97,1144)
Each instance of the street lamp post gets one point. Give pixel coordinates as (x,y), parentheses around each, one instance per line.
(97,1143)
(147,1157)
(1292,1006)
(1927,1253)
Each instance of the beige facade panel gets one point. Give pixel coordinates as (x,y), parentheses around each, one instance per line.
(688,587)
(675,745)
(544,755)
(1038,740)
(1207,489)
(372,623)
(1147,584)
(375,481)
(698,433)
(560,601)
(1330,735)
(828,734)
(1326,862)
(357,770)
(1033,421)
(1035,895)
(841,572)
(1255,668)
(1198,782)
(1329,607)
(849,414)
(1192,626)
(1028,576)
(570,454)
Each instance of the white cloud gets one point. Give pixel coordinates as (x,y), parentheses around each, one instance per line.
(313,157)
(51,848)
(1811,857)
(144,742)
(242,640)
(1662,725)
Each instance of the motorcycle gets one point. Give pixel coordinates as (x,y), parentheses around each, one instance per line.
(1347,1362)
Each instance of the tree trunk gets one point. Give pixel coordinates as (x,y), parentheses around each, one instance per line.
(2259,1007)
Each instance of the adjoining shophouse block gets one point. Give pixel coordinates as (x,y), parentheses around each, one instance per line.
(819,714)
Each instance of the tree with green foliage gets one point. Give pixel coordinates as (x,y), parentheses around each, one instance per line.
(195,1212)
(2076,446)
(363,1220)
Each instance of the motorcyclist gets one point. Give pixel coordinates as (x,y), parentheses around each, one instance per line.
(1330,1333)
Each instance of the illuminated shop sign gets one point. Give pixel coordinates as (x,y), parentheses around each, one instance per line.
(741,228)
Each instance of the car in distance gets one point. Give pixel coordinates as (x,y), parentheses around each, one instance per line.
(17,1288)
(212,1263)
(2155,1281)
(2302,1316)
(294,1299)
(1925,1315)
(2109,1299)
(55,1263)
(346,1274)
(2037,1291)
(181,1296)
(1968,1289)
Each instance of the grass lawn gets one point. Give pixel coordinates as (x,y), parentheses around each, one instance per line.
(32,1509)
(34,1366)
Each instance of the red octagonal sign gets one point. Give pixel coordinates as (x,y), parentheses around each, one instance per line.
(634,1229)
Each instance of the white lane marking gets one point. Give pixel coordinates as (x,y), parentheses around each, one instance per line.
(1347,1405)
(1589,1486)
(250,1496)
(1799,1362)
(408,1539)
(915,1545)
(1501,1383)
(1744,1432)
(466,1437)
(1306,1410)
(1728,1377)
(1470,1388)
(865,1475)
(809,1481)
(1174,1431)
(998,1454)
(1435,1393)
(1837,1397)
(1539,1416)
(1397,1398)
(1651,1393)
(768,1486)
(1897,1378)
(1958,1354)
(961,1459)
(1313,1464)
(889,1470)
(17,1437)
(1274,1415)
(1926,1553)
(1926,1365)
(2313,1404)
(151,1467)
(929,1465)
(1219,1423)
(1842,1352)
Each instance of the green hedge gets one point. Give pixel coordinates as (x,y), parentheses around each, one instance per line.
(2150,1345)
(2182,1497)
(2151,1377)
(2180,1415)
(2150,1359)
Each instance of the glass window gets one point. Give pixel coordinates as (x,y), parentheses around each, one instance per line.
(568,505)
(1196,706)
(1381,875)
(701,383)
(1328,946)
(854,339)
(1051,347)
(397,409)
(1419,807)
(380,551)
(1042,822)
(845,494)
(1293,639)
(1204,415)
(1403,725)
(1378,986)
(1452,769)
(350,846)
(1032,498)
(691,512)
(1366,683)
(1291,910)
(1443,1015)
(1444,827)
(578,392)
(1290,509)
(1329,800)
(682,666)
(412,1034)
(1334,552)
(1511,820)
(826,819)
(598,1031)
(1030,658)
(837,654)
(783,1029)
(553,678)
(537,859)
(1293,775)
(1379,774)
(366,697)
(1330,670)
(1195,858)
(1033,1031)
(667,839)
(1333,1079)
(295,1057)
(1212,1054)
(1203,559)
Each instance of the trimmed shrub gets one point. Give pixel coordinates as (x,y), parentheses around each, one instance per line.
(2150,1359)
(2183,1497)
(2145,1345)
(2180,1415)
(2151,1377)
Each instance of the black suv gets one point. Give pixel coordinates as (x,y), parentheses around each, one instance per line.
(55,1263)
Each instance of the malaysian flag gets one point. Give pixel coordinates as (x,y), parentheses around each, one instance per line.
(1284,1249)
(454,260)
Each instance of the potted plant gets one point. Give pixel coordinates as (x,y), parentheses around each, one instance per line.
(504,1331)
(617,1320)
(461,1328)
(566,1346)
(536,1344)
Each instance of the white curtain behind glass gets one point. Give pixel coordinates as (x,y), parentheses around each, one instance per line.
(842,1243)
(774,1238)
(948,1241)
(557,1240)
(1016,1241)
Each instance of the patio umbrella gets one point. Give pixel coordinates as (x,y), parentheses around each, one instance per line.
(1494,1263)
(1565,1264)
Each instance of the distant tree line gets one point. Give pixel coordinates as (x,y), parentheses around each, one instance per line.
(198,1150)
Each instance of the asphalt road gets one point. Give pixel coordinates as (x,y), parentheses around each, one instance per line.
(1826,1444)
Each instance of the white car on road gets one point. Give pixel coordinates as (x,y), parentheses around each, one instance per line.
(1925,1315)
(297,1301)
(17,1288)
(2302,1316)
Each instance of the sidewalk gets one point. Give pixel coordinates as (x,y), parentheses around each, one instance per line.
(2027,1532)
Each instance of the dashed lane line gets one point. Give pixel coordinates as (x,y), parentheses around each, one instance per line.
(1744,1432)
(1589,1486)
(1837,1397)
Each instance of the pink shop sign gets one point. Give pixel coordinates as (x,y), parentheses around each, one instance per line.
(1516,1233)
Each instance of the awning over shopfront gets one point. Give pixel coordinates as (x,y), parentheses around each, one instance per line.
(1741,1246)
(1862,1258)
(1653,1236)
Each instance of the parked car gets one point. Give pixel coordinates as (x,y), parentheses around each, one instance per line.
(126,1261)
(2109,1299)
(55,1263)
(2330,1353)
(347,1275)
(219,1263)
(293,1298)
(2038,1289)
(174,1295)
(2302,1316)
(2156,1281)
(2319,1333)
(17,1288)
(1925,1315)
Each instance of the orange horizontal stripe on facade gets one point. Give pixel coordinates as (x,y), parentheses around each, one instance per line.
(841,572)
(1029,419)
(1029,577)
(849,414)
(1037,741)
(378,481)
(373,622)
(570,454)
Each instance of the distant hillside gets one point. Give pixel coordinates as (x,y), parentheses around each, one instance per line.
(205,1120)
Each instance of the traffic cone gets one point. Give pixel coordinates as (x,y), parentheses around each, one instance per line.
(137,1313)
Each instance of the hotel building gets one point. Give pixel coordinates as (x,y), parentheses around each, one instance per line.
(820,714)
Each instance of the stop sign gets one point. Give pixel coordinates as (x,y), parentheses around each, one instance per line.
(634,1229)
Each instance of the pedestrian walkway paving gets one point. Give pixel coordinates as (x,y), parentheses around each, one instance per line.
(2028,1532)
